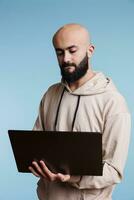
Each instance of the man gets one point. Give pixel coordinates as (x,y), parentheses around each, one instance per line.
(84,101)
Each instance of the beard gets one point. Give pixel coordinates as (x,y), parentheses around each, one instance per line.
(79,71)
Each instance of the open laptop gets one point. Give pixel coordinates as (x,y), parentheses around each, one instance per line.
(74,153)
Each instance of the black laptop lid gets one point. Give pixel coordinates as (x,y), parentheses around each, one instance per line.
(74,153)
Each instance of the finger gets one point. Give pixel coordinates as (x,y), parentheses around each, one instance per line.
(63,177)
(48,173)
(33,171)
(38,169)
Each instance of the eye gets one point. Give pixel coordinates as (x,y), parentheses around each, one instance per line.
(72,50)
(59,53)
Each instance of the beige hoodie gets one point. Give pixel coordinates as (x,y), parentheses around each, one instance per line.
(96,106)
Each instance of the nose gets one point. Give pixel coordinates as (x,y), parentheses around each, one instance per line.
(67,57)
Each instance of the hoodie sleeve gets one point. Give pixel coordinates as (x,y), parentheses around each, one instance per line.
(39,123)
(116,136)
(47,100)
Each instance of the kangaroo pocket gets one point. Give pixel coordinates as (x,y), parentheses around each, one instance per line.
(56,191)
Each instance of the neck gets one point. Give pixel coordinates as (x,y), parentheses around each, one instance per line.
(82,80)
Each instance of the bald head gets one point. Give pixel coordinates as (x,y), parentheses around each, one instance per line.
(73,33)
(73,50)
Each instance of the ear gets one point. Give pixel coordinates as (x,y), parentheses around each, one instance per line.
(90,50)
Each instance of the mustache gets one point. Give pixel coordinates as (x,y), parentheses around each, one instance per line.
(64,65)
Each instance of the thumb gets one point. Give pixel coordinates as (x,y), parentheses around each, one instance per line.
(63,177)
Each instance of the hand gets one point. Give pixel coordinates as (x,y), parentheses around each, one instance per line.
(43,172)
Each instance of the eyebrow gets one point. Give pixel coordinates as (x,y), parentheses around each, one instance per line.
(70,47)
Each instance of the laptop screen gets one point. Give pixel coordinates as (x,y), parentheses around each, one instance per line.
(74,153)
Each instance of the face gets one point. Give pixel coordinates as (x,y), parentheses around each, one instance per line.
(72,72)
(72,53)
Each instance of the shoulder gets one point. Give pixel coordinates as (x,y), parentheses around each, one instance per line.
(115,103)
(54,87)
(53,90)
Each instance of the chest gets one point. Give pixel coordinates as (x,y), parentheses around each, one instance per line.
(86,112)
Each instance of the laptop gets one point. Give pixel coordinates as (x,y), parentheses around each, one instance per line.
(74,153)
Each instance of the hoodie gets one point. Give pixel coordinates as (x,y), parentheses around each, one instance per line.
(96,106)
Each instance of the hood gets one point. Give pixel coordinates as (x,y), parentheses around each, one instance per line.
(98,84)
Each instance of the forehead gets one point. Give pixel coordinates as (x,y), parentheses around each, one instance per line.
(66,38)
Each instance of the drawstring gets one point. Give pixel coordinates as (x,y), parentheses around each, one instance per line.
(77,106)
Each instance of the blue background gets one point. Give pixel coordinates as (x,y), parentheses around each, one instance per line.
(28,66)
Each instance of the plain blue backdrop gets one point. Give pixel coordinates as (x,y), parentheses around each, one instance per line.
(28,66)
